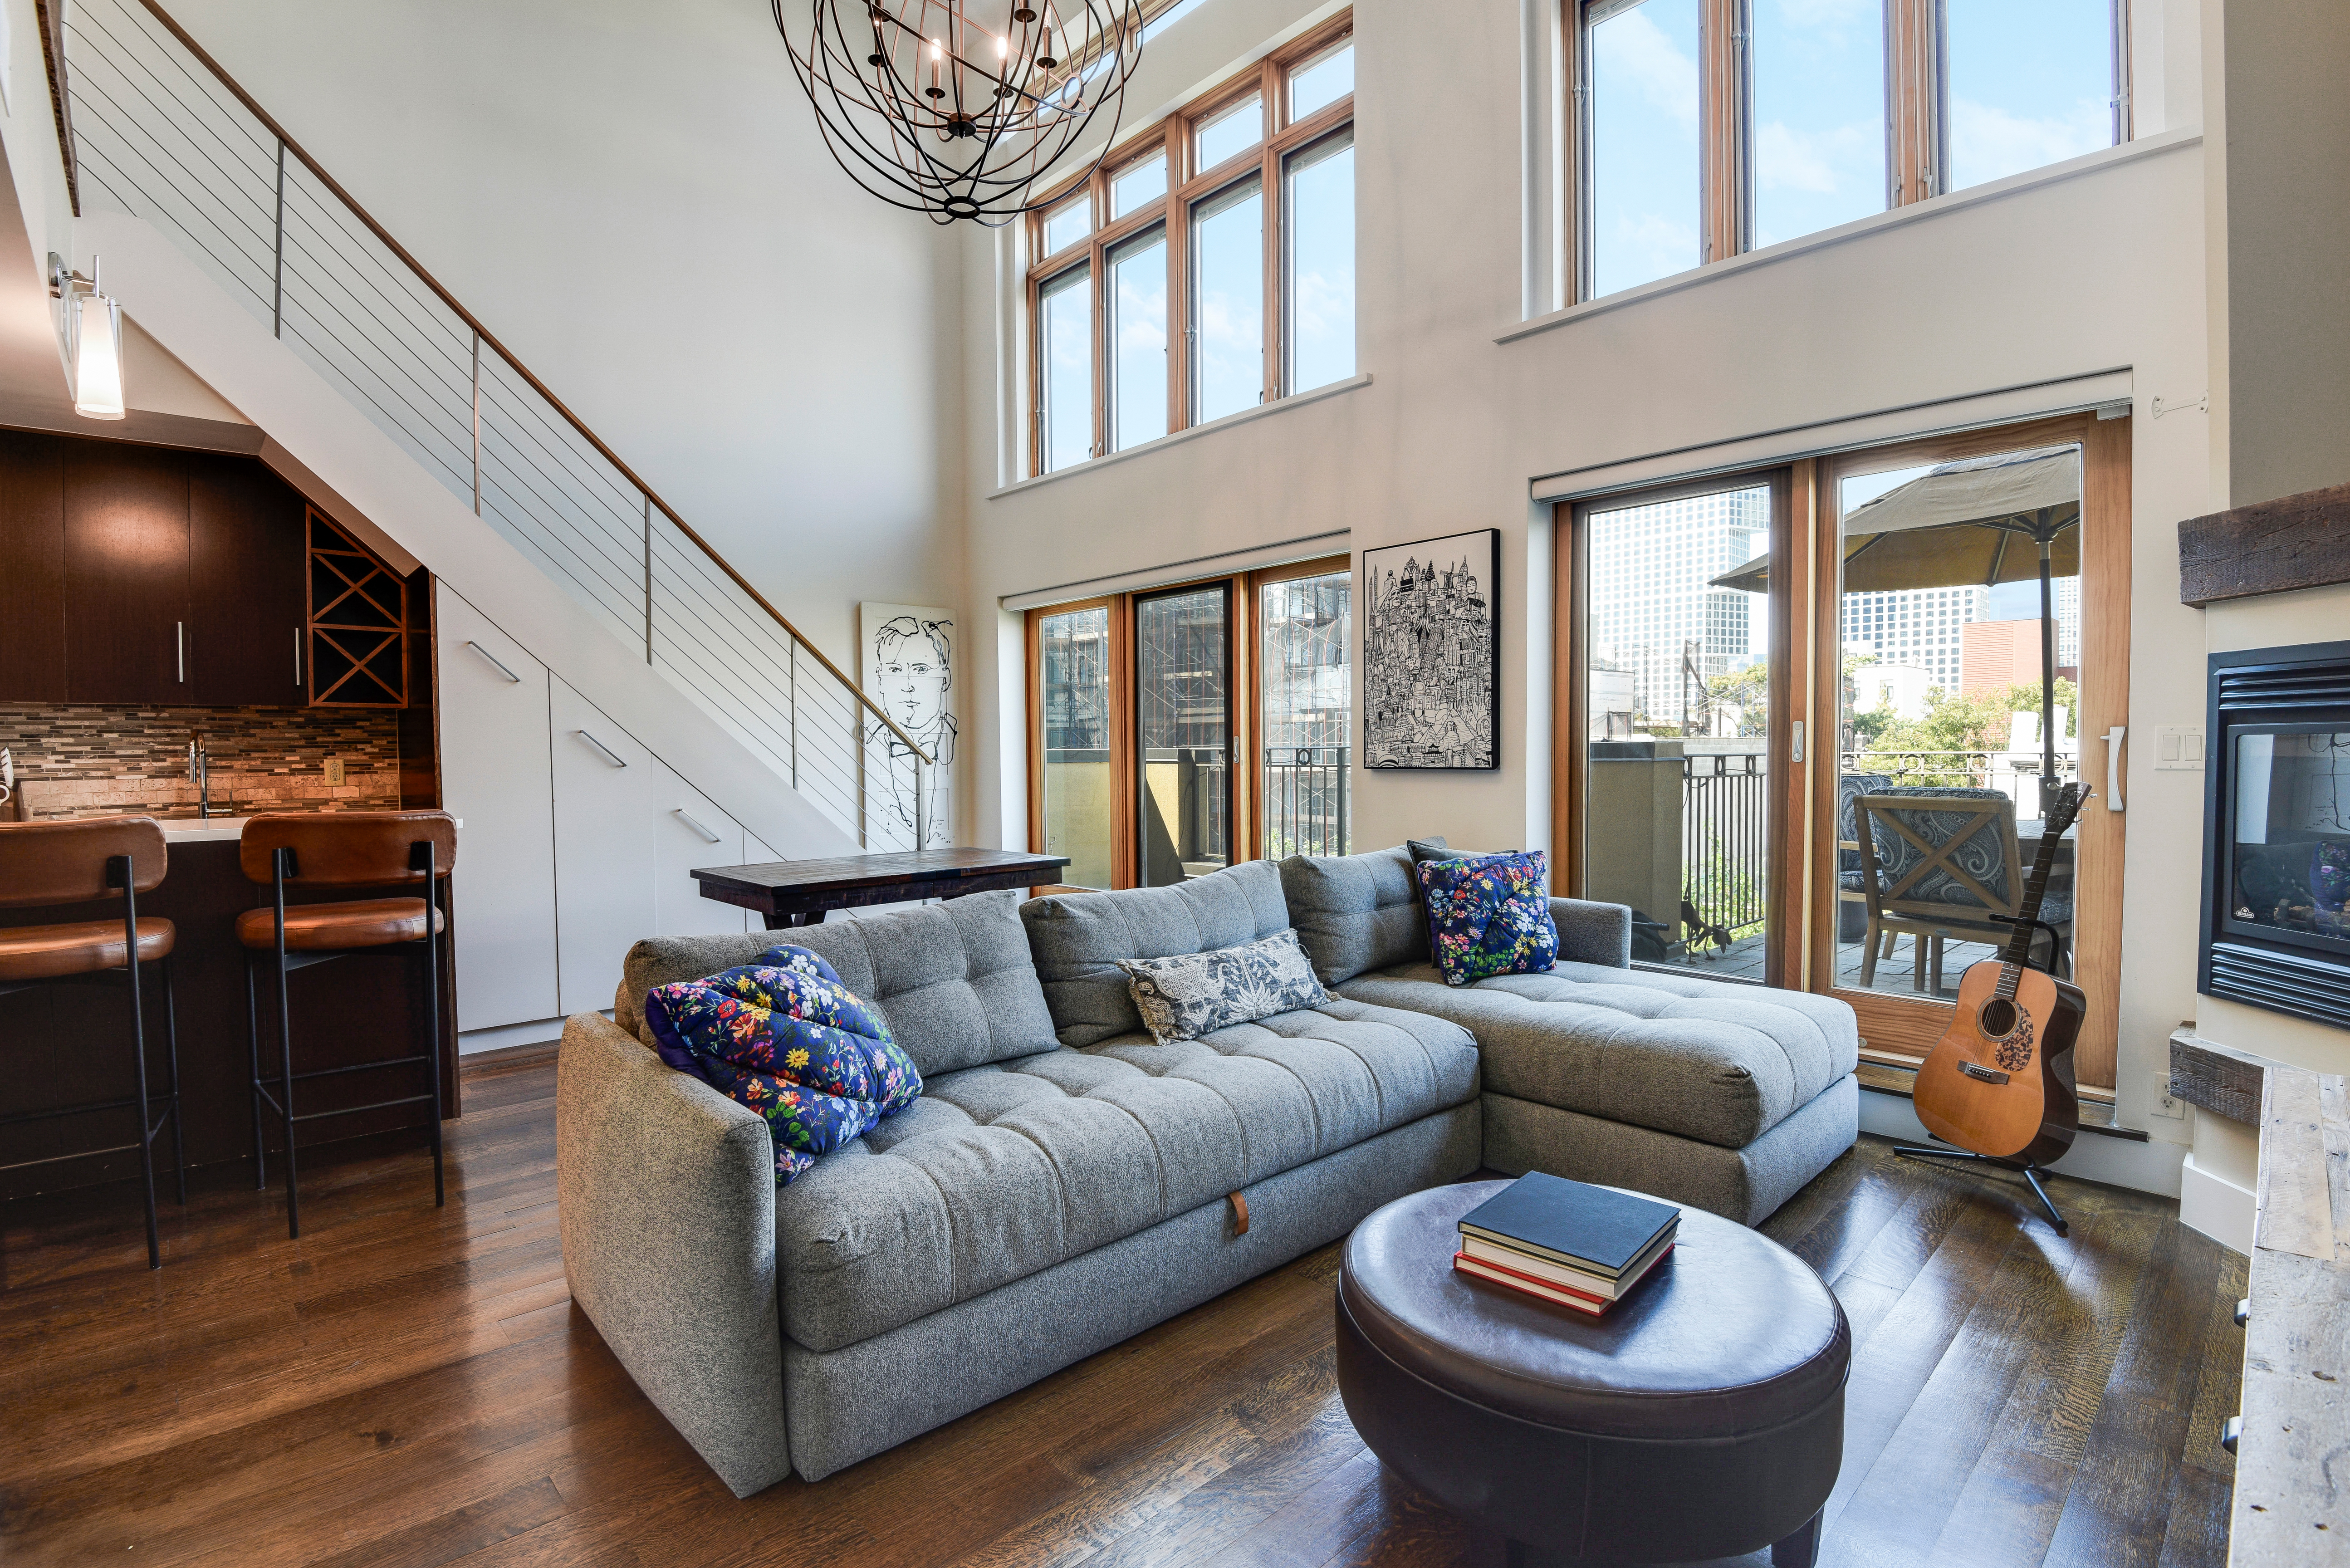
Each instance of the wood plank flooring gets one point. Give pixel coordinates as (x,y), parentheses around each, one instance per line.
(411,1387)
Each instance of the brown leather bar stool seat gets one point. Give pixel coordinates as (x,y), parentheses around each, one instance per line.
(362,923)
(357,849)
(81,946)
(77,862)
(1702,1417)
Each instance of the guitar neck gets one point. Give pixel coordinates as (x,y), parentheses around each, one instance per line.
(2018,951)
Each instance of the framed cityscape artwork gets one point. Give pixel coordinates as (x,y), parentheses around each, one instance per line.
(1432,646)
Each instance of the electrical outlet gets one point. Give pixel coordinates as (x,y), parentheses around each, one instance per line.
(334,770)
(2164,1104)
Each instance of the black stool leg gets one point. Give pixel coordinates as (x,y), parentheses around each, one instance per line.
(286,1056)
(171,1060)
(432,1010)
(253,1046)
(1800,1550)
(121,864)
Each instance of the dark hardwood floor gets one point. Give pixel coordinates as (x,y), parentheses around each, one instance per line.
(411,1387)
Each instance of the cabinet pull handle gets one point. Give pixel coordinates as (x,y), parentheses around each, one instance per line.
(695,825)
(297,655)
(494,662)
(179,647)
(608,754)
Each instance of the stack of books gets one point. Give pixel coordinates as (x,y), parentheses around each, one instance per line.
(1565,1241)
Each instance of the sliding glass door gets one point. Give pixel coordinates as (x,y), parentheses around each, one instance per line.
(1183,729)
(1674,642)
(1306,711)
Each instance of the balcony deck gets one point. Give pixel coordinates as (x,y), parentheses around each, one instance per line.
(1894,976)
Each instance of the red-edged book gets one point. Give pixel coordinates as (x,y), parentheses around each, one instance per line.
(1546,1289)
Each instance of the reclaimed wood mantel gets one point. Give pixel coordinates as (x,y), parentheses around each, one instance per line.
(2299,542)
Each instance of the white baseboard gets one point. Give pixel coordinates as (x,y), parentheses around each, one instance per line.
(540,1032)
(2117,1162)
(2216,1206)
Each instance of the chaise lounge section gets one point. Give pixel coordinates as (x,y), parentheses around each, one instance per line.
(1726,1095)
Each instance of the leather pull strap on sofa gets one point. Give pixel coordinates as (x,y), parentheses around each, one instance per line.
(1065,1181)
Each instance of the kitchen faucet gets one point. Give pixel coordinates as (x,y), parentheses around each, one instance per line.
(200,768)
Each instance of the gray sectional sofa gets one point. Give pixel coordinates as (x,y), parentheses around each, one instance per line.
(1063,1181)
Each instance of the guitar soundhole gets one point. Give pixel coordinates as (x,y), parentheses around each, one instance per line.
(2008,1024)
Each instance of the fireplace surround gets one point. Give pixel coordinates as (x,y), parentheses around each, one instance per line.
(2276,831)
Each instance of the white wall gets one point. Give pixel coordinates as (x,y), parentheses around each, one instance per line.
(634,198)
(2100,271)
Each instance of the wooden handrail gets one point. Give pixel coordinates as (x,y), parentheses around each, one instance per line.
(519,368)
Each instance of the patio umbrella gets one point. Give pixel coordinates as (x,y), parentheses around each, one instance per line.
(1983,520)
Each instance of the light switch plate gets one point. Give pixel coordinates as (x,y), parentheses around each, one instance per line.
(2178,748)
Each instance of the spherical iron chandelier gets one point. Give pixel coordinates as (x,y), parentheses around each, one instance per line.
(935,108)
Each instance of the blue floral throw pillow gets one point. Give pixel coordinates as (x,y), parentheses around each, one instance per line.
(785,1037)
(1489,916)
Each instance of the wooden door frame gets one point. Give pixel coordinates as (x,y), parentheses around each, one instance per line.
(1896,1031)
(1785,941)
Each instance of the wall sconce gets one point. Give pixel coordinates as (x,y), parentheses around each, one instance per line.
(93,341)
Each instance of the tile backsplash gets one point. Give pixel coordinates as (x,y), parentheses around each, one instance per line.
(84,760)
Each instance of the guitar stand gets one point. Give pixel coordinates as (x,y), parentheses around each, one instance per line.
(2031,1173)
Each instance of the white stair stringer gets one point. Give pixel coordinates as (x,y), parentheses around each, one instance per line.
(305,420)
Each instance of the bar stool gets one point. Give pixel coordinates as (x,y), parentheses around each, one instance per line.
(79,862)
(342,849)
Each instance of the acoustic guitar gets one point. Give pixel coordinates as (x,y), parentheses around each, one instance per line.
(2001,1082)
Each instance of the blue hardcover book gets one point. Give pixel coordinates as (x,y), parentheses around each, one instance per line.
(1572,1222)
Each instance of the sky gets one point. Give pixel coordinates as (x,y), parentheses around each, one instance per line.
(2030,82)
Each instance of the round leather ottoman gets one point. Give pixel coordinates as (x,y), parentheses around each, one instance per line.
(1702,1417)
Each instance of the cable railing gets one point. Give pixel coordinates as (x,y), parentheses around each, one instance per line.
(158,131)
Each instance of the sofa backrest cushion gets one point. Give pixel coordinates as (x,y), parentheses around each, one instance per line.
(1354,913)
(1077,940)
(952,979)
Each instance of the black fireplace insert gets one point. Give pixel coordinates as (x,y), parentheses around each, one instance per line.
(2276,831)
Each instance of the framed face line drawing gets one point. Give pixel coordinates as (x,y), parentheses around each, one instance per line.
(909,656)
(1431,653)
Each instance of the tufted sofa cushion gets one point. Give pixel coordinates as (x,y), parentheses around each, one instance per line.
(952,979)
(1078,937)
(1702,1058)
(1001,1170)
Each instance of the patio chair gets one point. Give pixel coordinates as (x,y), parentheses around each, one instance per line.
(1938,866)
(1851,910)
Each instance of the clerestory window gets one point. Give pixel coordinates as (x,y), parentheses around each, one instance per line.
(1207,268)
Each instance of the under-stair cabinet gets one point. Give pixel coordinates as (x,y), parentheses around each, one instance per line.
(578,840)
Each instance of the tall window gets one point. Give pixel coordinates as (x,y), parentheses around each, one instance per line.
(1223,238)
(1179,731)
(1707,127)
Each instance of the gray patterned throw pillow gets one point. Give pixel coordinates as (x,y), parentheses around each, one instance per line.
(1184,997)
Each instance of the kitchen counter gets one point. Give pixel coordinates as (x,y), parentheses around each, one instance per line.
(213,829)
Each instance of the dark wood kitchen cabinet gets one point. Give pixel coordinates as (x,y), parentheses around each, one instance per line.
(148,576)
(32,568)
(127,601)
(245,575)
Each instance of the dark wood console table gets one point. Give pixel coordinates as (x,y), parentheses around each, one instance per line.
(788,893)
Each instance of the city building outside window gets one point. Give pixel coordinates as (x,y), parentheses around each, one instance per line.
(1703,129)
(1207,267)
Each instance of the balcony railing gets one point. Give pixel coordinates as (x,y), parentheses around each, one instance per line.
(2012,772)
(1304,801)
(1725,841)
(156,130)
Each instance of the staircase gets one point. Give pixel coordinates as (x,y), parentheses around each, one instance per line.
(158,132)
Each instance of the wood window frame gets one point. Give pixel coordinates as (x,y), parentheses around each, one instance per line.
(1187,187)
(1244,708)
(1806,645)
(1917,118)
(1898,1032)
